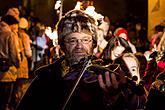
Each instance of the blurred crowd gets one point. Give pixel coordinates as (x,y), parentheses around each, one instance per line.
(25,46)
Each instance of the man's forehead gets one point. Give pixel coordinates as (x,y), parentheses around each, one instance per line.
(78,35)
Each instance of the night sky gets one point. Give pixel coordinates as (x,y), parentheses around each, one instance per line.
(116,10)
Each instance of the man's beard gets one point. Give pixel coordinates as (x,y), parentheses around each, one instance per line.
(75,58)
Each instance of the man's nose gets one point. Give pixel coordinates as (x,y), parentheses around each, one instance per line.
(79,43)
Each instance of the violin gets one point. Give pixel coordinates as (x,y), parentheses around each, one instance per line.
(94,67)
(91,67)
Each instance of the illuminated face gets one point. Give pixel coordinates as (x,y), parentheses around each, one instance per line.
(132,65)
(77,46)
(117,52)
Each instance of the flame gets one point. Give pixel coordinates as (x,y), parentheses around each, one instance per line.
(52,35)
(48,31)
(78,5)
(55,37)
(57,5)
(91,11)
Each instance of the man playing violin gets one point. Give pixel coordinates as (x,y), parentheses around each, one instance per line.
(59,86)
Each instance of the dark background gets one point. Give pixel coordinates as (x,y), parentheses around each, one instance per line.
(116,10)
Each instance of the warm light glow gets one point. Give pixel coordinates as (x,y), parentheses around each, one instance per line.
(78,5)
(91,11)
(57,5)
(48,32)
(52,35)
(55,38)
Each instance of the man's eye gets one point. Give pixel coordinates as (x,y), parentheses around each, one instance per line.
(86,40)
(72,40)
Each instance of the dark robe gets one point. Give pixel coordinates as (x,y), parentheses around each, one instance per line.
(49,91)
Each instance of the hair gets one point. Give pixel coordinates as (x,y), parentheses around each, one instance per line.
(10,20)
(113,42)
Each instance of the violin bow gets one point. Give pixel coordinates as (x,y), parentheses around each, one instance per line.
(87,63)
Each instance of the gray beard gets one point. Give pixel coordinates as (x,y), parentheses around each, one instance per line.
(73,61)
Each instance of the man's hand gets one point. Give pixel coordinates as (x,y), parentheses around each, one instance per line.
(109,83)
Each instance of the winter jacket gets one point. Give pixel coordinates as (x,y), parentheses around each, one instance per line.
(8,50)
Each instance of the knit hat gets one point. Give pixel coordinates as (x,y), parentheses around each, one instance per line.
(121,32)
(76,21)
(10,20)
(23,23)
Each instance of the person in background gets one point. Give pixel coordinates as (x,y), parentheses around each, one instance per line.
(39,45)
(114,49)
(155,38)
(25,54)
(156,41)
(123,33)
(102,31)
(141,41)
(135,90)
(161,44)
(101,43)
(143,63)
(13,12)
(9,60)
(155,99)
(151,70)
(23,27)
